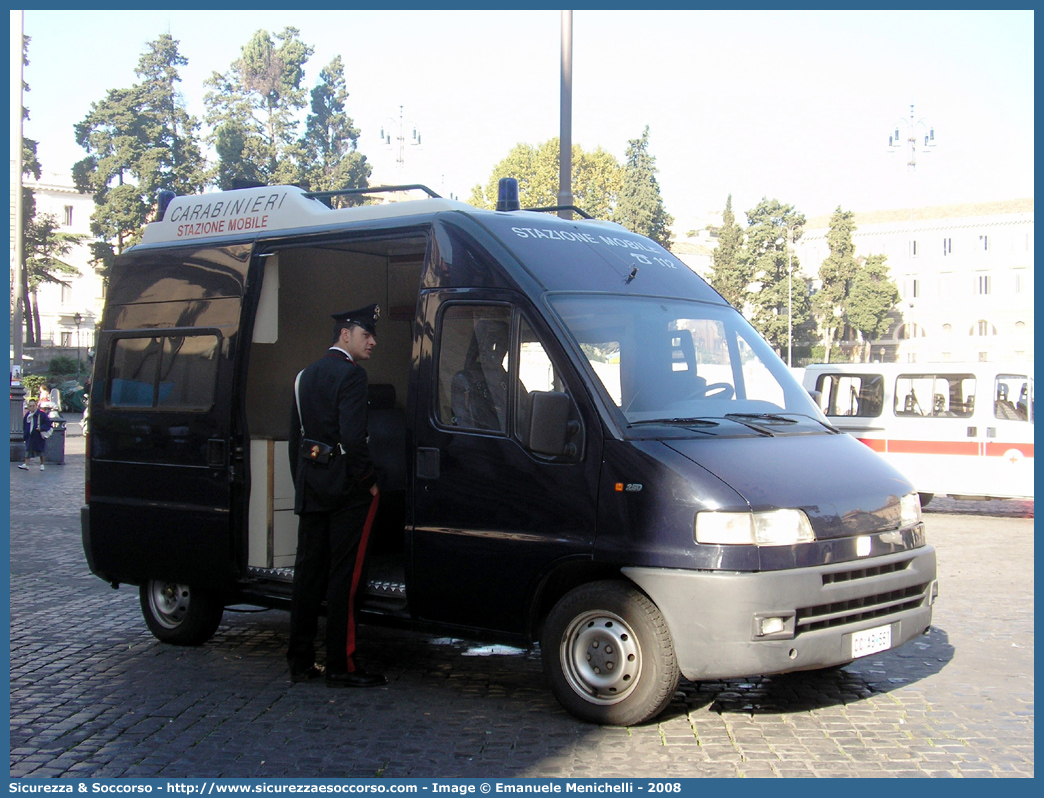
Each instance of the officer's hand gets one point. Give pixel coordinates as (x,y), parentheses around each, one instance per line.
(373,490)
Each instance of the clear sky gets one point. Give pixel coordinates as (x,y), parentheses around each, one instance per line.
(793,105)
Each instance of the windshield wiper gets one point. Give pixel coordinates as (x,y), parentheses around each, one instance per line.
(694,422)
(762,417)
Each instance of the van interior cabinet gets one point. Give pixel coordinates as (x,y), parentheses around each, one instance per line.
(273,525)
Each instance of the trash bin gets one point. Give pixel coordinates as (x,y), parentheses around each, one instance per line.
(54,449)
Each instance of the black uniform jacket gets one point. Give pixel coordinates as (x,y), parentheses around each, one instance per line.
(332,393)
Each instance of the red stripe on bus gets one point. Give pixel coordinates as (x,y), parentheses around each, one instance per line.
(974,448)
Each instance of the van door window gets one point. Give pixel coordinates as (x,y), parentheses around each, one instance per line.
(473,367)
(163,371)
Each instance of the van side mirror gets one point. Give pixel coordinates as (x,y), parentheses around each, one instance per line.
(549,426)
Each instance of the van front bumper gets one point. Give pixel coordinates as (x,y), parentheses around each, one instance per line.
(733,624)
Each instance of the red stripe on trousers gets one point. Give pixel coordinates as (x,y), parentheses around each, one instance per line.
(356,576)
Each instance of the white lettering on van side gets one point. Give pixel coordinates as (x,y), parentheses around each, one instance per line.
(213,217)
(609,241)
(554,235)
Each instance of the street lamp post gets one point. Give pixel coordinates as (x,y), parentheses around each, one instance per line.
(77,319)
(788,240)
(790,297)
(912,132)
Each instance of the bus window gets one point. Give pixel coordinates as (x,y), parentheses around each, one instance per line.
(1009,397)
(860,395)
(935,395)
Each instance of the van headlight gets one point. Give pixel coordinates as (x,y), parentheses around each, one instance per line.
(909,510)
(769,528)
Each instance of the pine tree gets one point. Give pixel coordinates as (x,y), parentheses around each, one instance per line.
(329,146)
(831,301)
(780,306)
(730,276)
(872,297)
(253,110)
(640,206)
(138,140)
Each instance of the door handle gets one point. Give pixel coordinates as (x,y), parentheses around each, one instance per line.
(427,463)
(216,453)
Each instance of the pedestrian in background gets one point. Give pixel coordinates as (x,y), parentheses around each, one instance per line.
(36,429)
(335,500)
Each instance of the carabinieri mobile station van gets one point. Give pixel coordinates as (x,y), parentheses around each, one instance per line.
(580,443)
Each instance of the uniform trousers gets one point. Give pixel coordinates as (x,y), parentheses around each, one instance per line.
(331,547)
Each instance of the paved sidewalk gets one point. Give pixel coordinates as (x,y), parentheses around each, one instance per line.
(93,694)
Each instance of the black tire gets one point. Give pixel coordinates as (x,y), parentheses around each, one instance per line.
(925,498)
(608,654)
(179,614)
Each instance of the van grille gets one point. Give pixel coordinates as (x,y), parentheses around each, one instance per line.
(839,613)
(866,573)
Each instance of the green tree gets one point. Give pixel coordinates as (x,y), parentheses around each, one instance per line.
(253,111)
(30,168)
(780,305)
(596,178)
(731,274)
(640,207)
(329,146)
(830,303)
(138,140)
(873,296)
(46,249)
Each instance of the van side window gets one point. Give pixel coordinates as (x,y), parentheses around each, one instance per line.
(860,395)
(473,367)
(163,372)
(935,395)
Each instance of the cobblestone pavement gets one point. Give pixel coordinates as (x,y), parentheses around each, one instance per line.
(93,694)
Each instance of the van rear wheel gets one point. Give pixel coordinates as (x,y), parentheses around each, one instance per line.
(608,654)
(179,614)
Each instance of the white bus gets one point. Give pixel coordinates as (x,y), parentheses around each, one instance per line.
(958,429)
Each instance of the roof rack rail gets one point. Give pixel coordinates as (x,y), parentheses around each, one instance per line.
(325,195)
(573,208)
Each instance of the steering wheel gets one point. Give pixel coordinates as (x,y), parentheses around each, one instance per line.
(716,390)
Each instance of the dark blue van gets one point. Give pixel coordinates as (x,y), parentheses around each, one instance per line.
(580,443)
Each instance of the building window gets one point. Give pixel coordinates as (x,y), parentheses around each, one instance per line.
(984,243)
(66,294)
(1020,327)
(66,339)
(1021,283)
(946,284)
(68,215)
(913,249)
(947,246)
(947,329)
(984,284)
(982,327)
(984,357)
(913,290)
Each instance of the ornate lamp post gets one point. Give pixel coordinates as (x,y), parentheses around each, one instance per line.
(399,127)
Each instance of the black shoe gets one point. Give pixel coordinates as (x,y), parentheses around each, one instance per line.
(359,678)
(307,674)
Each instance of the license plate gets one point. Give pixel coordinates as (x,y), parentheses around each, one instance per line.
(870,641)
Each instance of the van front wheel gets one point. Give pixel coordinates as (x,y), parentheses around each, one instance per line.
(179,614)
(608,654)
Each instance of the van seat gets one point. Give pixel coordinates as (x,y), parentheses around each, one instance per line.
(386,425)
(387,437)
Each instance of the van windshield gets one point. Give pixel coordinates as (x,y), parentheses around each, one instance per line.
(683,362)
